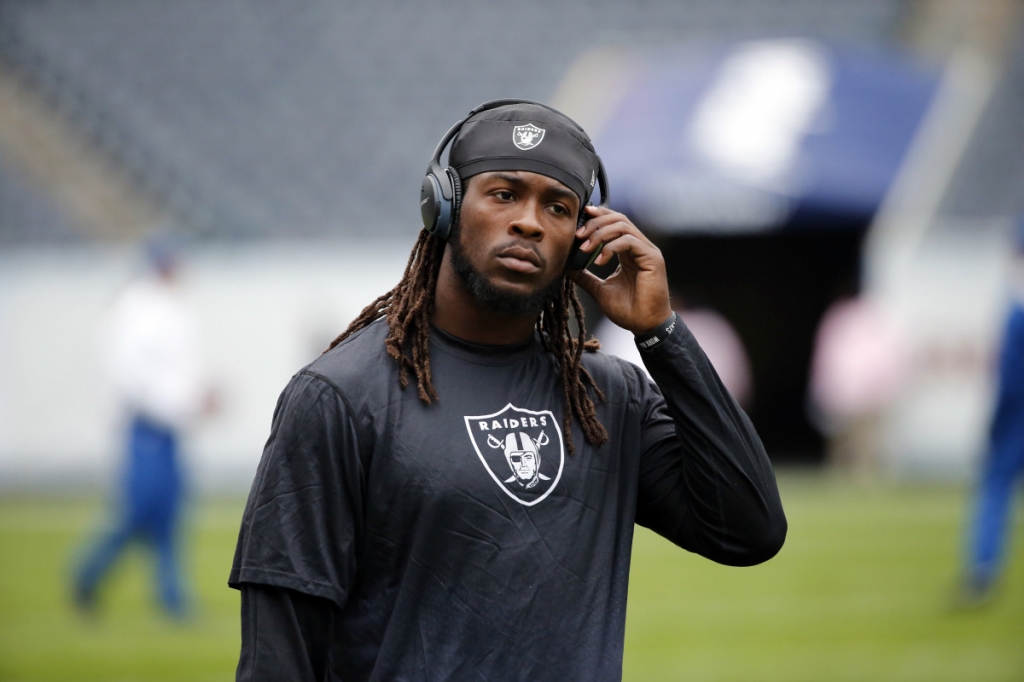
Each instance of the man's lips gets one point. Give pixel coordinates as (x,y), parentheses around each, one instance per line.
(520,259)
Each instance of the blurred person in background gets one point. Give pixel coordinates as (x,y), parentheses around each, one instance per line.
(479,524)
(717,338)
(859,365)
(149,346)
(1003,463)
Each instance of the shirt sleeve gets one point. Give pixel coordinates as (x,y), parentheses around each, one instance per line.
(706,482)
(303,519)
(285,636)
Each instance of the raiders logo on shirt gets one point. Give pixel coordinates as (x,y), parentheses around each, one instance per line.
(521,449)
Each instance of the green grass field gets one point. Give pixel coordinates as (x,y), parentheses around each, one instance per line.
(860,592)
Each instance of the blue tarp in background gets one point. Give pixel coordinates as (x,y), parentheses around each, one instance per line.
(759,135)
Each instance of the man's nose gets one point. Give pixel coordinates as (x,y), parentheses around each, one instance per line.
(527,222)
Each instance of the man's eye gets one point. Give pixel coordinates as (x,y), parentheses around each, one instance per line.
(504,195)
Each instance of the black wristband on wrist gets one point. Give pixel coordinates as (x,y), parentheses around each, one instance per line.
(652,338)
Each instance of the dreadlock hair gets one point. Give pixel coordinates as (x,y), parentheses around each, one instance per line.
(408,308)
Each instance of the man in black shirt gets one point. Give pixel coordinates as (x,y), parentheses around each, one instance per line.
(479,527)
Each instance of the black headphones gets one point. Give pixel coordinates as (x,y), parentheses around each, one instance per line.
(441,191)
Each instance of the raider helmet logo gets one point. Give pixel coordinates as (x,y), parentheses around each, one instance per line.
(527,136)
(521,450)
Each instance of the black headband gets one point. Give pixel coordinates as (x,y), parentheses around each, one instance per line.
(526,137)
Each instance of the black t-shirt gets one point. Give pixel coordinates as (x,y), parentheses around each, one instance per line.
(460,540)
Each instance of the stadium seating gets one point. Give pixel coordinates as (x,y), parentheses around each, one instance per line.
(252,120)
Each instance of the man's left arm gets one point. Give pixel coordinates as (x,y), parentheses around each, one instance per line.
(705,480)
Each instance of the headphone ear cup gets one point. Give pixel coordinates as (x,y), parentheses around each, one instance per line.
(581,260)
(435,209)
(430,195)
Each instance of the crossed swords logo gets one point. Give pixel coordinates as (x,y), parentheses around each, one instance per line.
(527,136)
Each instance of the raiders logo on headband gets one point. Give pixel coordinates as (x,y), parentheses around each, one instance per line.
(527,136)
(521,450)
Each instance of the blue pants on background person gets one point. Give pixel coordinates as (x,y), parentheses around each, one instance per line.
(150,511)
(1002,467)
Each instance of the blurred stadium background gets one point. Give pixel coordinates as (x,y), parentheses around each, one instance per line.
(783,153)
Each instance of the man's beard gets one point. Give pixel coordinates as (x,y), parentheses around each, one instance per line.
(491,296)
